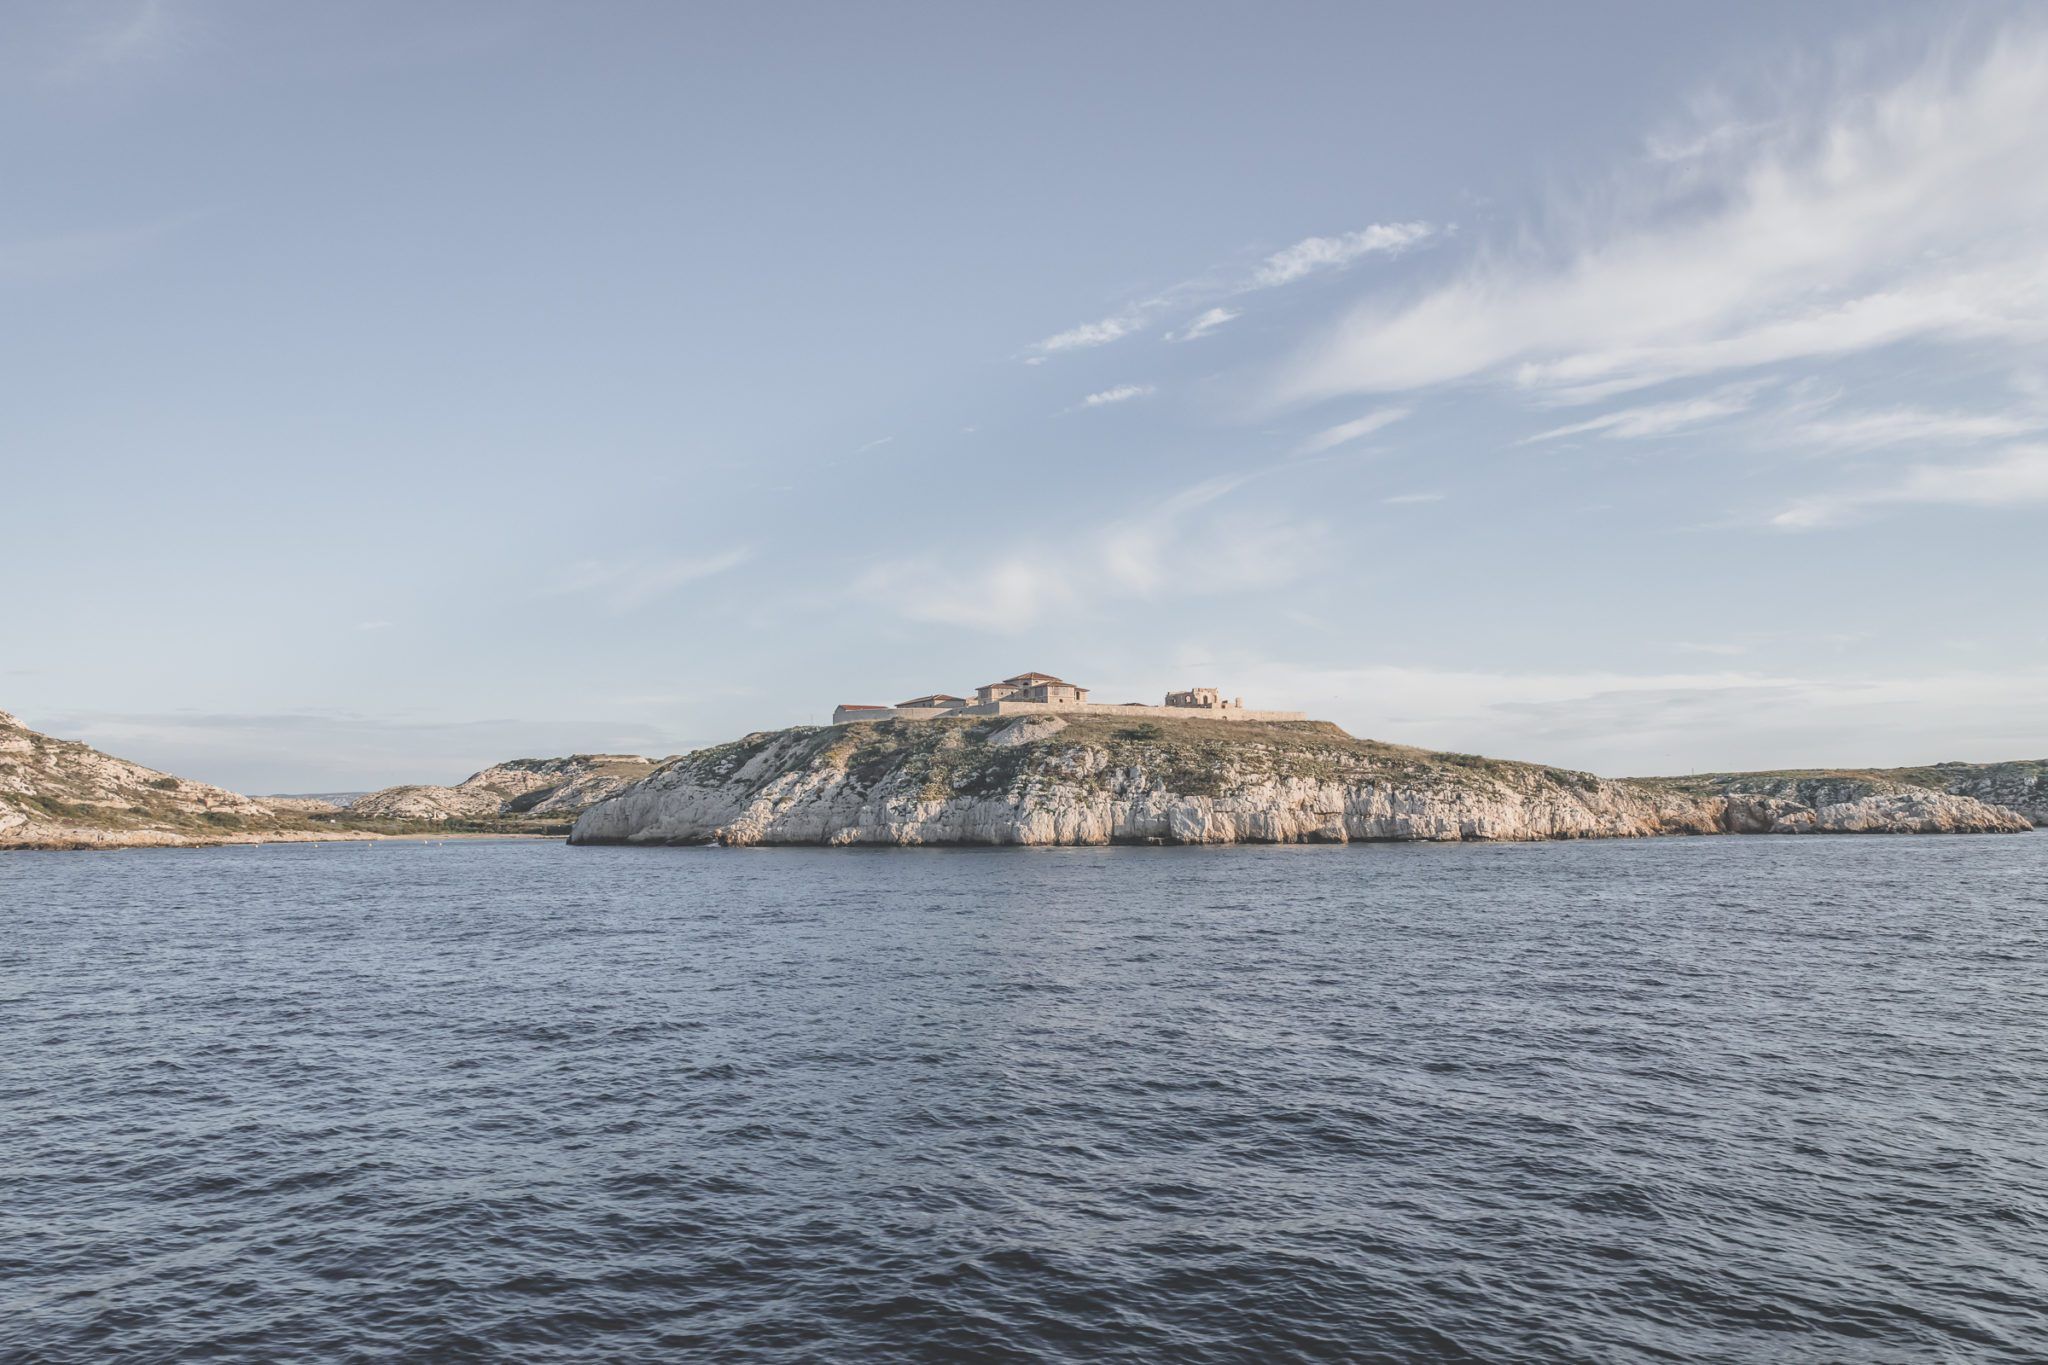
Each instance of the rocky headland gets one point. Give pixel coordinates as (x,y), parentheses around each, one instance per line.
(523,789)
(1097,780)
(58,793)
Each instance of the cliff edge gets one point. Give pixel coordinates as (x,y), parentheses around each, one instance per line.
(1096,780)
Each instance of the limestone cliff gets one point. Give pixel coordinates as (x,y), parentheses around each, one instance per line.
(522,787)
(63,794)
(1100,781)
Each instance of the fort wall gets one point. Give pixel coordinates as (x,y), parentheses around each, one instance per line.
(1064,708)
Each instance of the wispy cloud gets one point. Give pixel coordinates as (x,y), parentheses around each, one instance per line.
(1312,254)
(1407,499)
(2018,477)
(1205,324)
(1191,544)
(1091,334)
(627,585)
(1914,426)
(1620,723)
(1656,419)
(875,444)
(1309,256)
(1344,432)
(1886,213)
(1122,393)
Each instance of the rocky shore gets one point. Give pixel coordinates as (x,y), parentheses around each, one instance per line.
(1101,781)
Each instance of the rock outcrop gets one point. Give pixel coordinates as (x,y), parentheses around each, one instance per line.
(58,793)
(1099,781)
(539,788)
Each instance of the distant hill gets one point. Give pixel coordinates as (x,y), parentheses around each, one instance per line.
(60,793)
(2020,785)
(1103,780)
(532,789)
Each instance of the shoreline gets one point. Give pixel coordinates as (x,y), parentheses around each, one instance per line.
(102,844)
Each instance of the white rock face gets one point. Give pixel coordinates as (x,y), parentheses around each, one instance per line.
(1008,786)
(58,792)
(523,787)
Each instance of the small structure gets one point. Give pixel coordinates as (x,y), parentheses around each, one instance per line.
(1039,693)
(1203,699)
(1038,687)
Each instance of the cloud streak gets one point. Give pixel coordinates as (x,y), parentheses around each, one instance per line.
(1122,393)
(2019,477)
(1309,256)
(627,585)
(1346,432)
(1190,544)
(1911,211)
(1654,419)
(1313,254)
(1205,324)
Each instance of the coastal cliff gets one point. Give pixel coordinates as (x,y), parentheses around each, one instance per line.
(528,788)
(1102,781)
(58,793)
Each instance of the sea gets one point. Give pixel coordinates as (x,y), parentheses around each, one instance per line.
(1741,1099)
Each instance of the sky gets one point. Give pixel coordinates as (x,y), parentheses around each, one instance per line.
(390,389)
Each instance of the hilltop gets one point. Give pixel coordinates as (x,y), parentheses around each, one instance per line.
(2020,786)
(532,790)
(60,793)
(1097,780)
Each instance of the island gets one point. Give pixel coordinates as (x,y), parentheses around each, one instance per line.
(1033,761)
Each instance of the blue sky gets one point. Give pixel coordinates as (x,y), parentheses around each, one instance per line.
(393,389)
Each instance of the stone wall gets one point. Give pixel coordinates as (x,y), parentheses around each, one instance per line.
(1066,708)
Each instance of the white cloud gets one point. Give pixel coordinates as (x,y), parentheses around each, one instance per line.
(626,585)
(1205,324)
(1122,393)
(1331,437)
(1913,211)
(1186,545)
(2019,476)
(1311,254)
(1656,419)
(876,444)
(1091,334)
(1305,257)
(1916,426)
(1408,499)
(1623,723)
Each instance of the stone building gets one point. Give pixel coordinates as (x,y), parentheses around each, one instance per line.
(1039,693)
(1203,699)
(1038,687)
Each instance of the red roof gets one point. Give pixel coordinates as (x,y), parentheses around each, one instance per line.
(931,699)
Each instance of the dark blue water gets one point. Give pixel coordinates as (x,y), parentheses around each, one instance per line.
(1733,1099)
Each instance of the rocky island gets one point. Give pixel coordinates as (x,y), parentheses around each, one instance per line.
(1095,779)
(59,793)
(1031,760)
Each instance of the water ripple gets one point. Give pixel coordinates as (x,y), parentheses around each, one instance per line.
(1756,1099)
